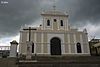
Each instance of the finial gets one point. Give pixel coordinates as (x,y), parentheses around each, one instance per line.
(54,5)
(70,10)
(42,10)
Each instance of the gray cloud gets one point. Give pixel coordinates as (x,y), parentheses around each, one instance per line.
(82,11)
(17,13)
(20,12)
(88,10)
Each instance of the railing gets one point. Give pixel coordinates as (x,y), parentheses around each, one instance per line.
(4,47)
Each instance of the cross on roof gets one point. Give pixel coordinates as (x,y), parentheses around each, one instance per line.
(54,7)
(54,4)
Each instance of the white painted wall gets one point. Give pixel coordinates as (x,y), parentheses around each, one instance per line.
(13,50)
(58,18)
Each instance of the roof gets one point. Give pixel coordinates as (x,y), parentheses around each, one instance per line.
(95,40)
(14,42)
(54,12)
(97,45)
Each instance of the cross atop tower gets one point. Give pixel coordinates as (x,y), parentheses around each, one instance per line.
(54,7)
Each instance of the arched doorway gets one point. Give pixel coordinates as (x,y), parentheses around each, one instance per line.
(55,46)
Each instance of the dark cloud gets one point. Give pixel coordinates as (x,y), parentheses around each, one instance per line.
(82,11)
(87,10)
(20,12)
(17,13)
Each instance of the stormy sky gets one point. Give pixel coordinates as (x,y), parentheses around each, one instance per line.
(16,13)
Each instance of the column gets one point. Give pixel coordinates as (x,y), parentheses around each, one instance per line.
(35,43)
(42,43)
(75,42)
(81,39)
(69,42)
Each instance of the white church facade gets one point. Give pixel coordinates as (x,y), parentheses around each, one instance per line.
(53,37)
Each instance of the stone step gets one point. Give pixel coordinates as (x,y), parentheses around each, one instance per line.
(58,64)
(52,58)
(61,61)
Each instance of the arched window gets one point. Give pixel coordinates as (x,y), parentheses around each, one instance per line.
(79,50)
(33,48)
(61,22)
(48,22)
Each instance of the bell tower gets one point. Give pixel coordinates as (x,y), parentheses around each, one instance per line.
(54,20)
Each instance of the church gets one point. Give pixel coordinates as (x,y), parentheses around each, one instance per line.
(53,37)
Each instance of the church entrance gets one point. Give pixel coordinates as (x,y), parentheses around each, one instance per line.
(55,46)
